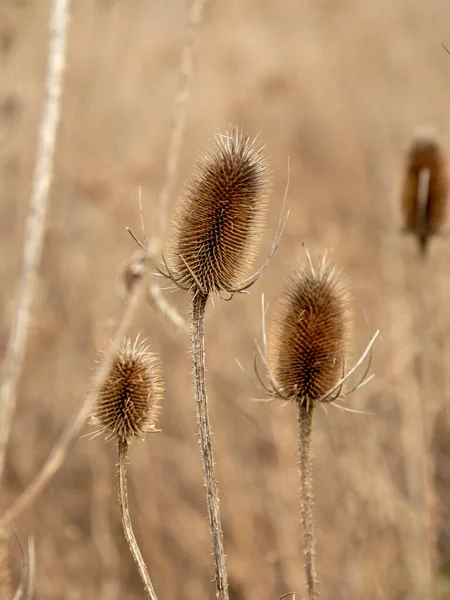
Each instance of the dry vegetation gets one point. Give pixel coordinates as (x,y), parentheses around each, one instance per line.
(337,86)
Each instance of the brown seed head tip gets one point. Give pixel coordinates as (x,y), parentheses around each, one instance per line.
(424,193)
(309,334)
(220,216)
(129,403)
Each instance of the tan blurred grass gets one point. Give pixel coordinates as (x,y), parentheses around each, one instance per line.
(337,86)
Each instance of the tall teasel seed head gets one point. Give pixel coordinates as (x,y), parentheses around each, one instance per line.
(220,216)
(425,187)
(129,403)
(309,333)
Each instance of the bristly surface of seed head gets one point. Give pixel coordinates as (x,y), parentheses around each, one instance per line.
(220,216)
(425,188)
(308,337)
(129,403)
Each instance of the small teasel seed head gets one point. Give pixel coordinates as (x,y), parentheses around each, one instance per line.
(425,188)
(129,403)
(309,333)
(220,216)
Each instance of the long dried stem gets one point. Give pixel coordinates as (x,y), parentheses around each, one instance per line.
(35,227)
(74,426)
(204,428)
(179,120)
(427,413)
(305,419)
(122,465)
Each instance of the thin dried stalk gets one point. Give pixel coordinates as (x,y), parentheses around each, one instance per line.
(428,413)
(126,520)
(73,428)
(35,227)
(305,419)
(179,119)
(204,427)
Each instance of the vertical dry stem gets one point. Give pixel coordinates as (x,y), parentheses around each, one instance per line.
(212,492)
(180,112)
(35,227)
(305,419)
(126,520)
(428,412)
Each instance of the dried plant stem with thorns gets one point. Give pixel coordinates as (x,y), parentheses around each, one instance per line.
(215,234)
(305,358)
(35,227)
(127,407)
(122,464)
(204,430)
(305,420)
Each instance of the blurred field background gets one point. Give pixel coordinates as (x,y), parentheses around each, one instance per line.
(337,86)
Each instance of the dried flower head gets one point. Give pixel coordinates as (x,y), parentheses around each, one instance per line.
(424,193)
(220,217)
(309,333)
(129,403)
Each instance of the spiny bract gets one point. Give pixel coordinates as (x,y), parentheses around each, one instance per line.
(220,217)
(424,216)
(129,403)
(309,333)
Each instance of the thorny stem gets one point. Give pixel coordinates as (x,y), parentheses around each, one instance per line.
(122,465)
(204,428)
(305,419)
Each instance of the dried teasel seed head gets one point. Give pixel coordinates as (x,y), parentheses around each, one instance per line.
(220,216)
(309,333)
(129,403)
(424,193)
(6,591)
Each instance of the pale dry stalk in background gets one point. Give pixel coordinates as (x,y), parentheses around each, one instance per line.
(6,592)
(127,407)
(35,227)
(215,235)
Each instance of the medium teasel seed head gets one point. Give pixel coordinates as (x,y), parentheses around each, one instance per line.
(309,334)
(128,404)
(220,216)
(425,188)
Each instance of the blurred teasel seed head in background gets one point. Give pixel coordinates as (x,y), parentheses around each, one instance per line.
(129,403)
(425,186)
(220,216)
